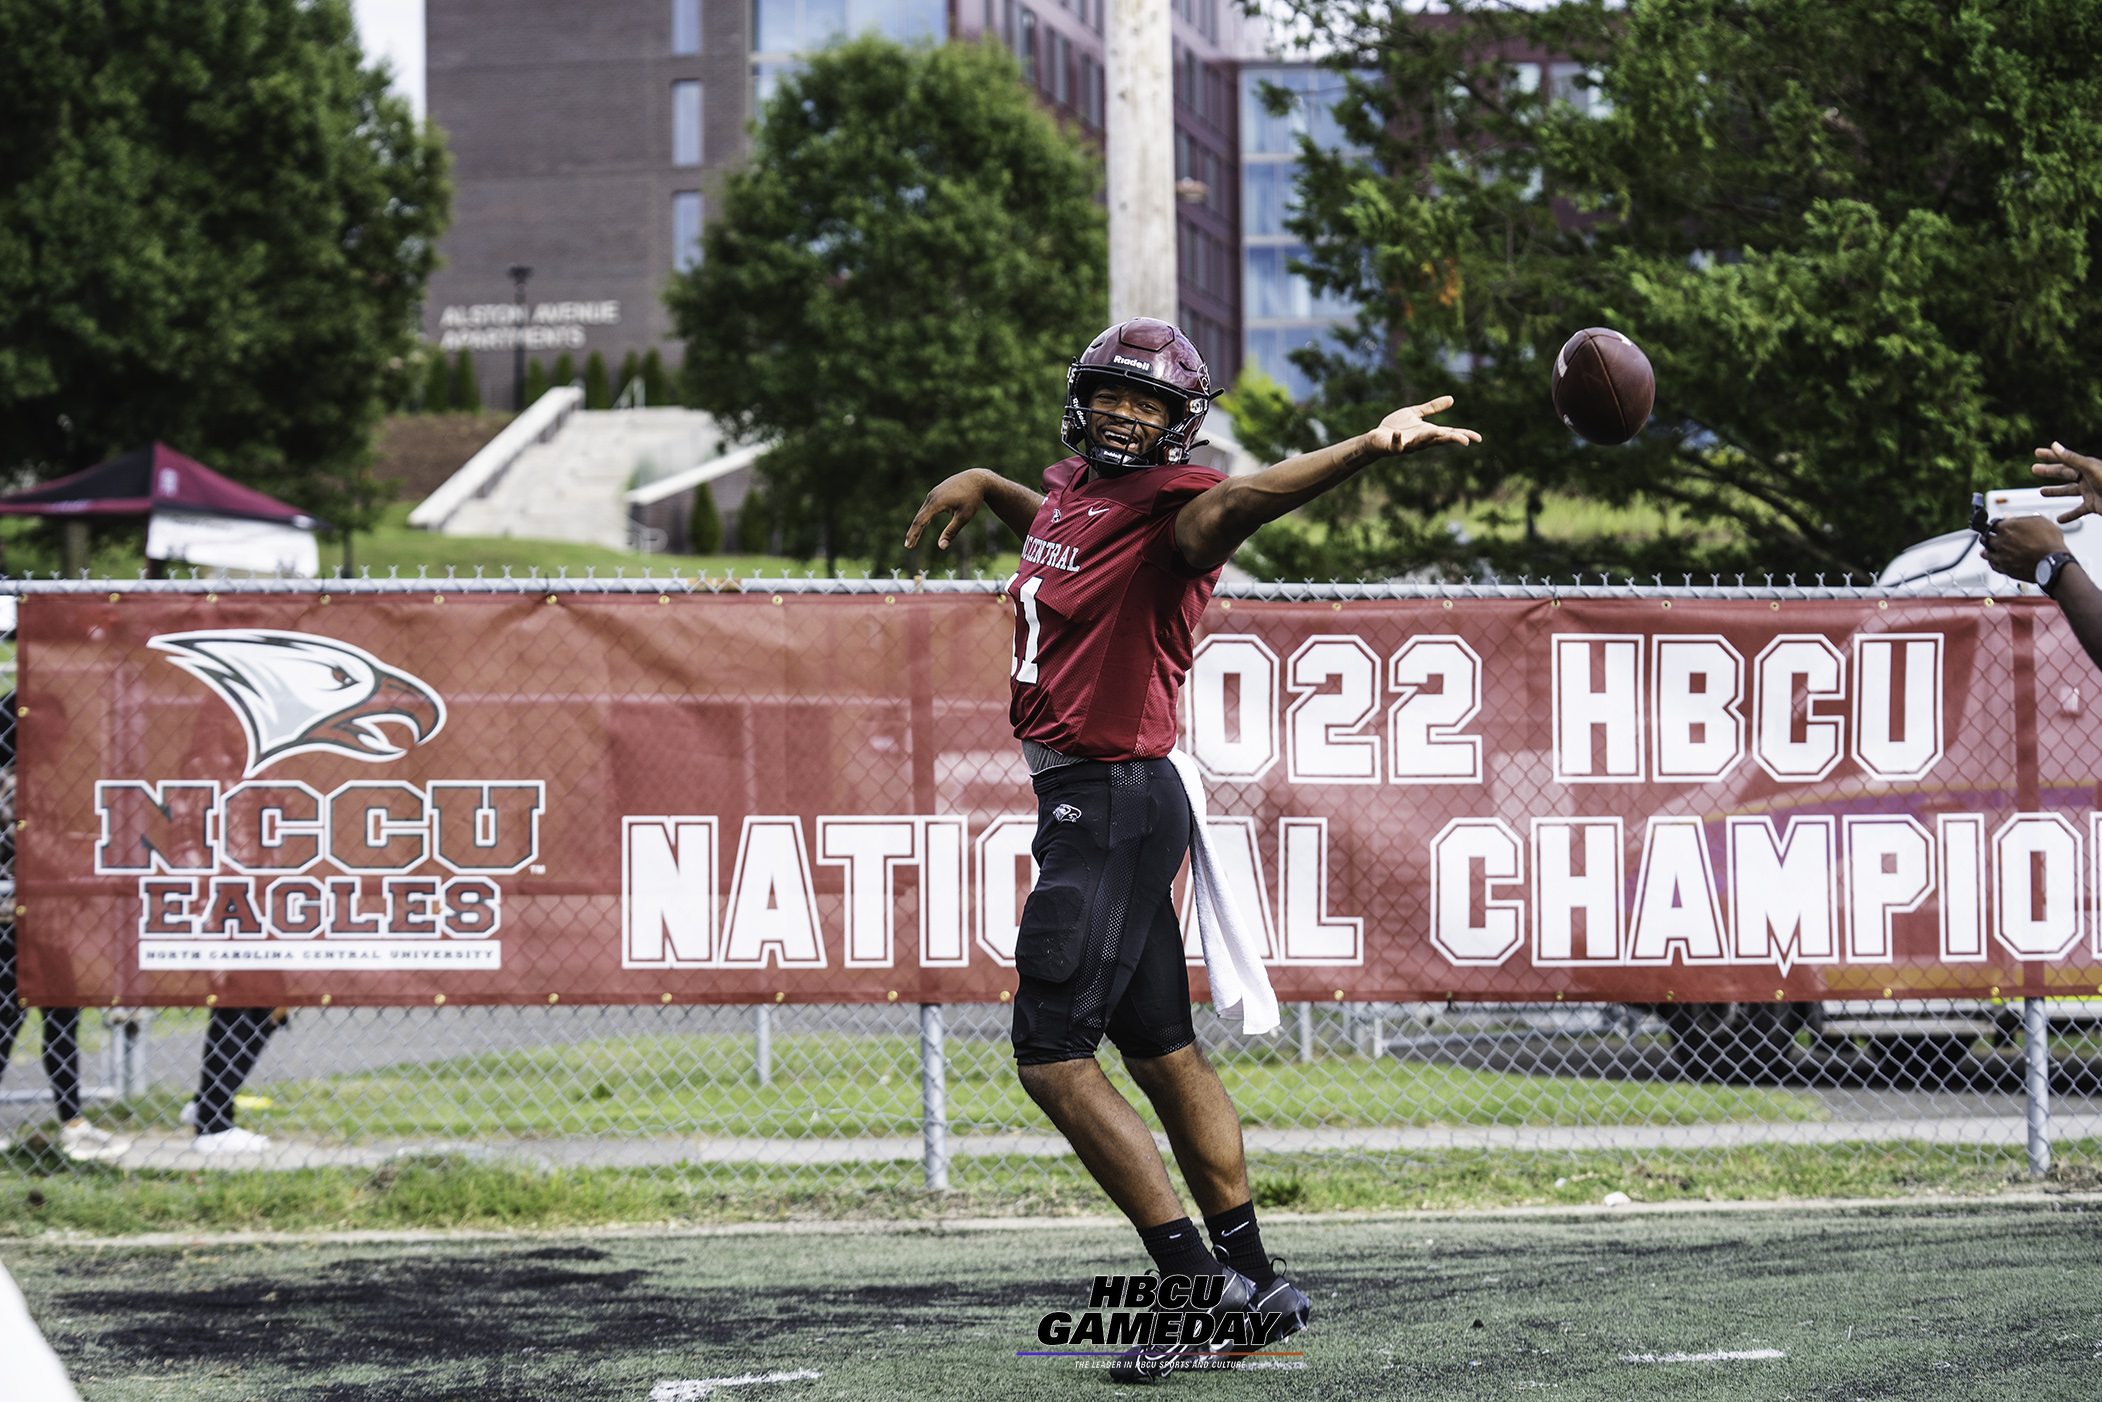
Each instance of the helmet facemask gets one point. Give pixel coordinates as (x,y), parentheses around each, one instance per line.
(1101,424)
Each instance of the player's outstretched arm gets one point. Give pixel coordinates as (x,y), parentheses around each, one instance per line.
(2075,476)
(962,495)
(1212,527)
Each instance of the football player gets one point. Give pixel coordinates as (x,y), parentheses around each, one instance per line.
(1119,557)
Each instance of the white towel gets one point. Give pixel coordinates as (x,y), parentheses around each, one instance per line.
(1233,952)
(34,1373)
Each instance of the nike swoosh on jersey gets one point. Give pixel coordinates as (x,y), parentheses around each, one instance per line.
(1096,510)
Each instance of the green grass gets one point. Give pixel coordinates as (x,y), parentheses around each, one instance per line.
(841,1086)
(1563,520)
(1960,1301)
(453,1192)
(395,546)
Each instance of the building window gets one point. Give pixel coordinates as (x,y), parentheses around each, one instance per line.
(1268,348)
(685,26)
(1280,313)
(1061,81)
(1266,196)
(1271,291)
(1025,48)
(1314,94)
(1577,85)
(686,229)
(797,26)
(1091,91)
(767,76)
(686,124)
(775,26)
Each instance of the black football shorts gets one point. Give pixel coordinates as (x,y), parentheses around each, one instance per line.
(1099,948)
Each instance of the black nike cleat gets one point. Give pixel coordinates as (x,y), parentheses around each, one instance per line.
(1152,1363)
(1280,1297)
(1288,1302)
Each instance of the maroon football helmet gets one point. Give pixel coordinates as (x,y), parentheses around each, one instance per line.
(1153,356)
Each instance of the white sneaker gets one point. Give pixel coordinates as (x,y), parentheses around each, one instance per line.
(83,1143)
(231,1141)
(189,1115)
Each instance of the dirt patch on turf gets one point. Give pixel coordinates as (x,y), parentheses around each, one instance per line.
(428,1319)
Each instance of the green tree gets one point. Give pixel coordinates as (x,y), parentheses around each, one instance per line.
(656,385)
(467,385)
(1852,235)
(596,395)
(630,371)
(437,385)
(216,224)
(898,278)
(536,380)
(704,527)
(755,523)
(565,371)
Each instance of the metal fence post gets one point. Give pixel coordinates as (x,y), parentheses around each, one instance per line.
(2036,1032)
(763,1044)
(128,1051)
(1306,1032)
(934,1099)
(128,1076)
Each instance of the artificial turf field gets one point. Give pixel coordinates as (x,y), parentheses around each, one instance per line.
(1999,1301)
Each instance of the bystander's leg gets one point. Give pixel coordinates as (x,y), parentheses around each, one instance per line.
(233,1040)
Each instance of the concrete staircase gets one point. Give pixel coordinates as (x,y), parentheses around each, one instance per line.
(572,487)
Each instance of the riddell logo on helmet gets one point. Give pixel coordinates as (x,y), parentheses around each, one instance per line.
(1134,364)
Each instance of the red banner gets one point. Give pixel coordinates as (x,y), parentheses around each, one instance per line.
(264,799)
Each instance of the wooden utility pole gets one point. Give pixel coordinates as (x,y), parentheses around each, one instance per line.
(1141,139)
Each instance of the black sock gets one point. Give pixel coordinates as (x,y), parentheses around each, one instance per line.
(1178,1249)
(1236,1232)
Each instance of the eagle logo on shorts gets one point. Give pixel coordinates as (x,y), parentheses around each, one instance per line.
(1066,813)
(299,693)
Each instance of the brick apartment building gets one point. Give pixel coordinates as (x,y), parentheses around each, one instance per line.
(588,138)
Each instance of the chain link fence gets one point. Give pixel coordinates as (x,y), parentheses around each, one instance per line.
(905,1096)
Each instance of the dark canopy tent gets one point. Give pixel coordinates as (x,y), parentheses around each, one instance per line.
(180,497)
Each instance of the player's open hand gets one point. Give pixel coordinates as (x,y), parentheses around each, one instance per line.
(1406,430)
(2075,476)
(960,495)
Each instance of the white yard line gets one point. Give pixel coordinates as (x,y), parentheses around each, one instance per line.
(693,1389)
(1739,1356)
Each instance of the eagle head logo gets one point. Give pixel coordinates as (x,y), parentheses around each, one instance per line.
(298,693)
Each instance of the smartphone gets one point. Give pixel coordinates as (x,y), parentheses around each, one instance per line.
(1980,522)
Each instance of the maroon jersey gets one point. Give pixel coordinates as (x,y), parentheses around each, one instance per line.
(1104,610)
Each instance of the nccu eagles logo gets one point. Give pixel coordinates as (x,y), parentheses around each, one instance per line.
(297,693)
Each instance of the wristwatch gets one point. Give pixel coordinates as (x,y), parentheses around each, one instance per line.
(2050,568)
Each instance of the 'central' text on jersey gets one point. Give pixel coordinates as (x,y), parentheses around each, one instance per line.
(1100,653)
(1038,551)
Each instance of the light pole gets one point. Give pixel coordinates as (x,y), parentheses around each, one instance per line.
(519,273)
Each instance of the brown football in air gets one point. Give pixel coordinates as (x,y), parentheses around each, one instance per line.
(1603,387)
